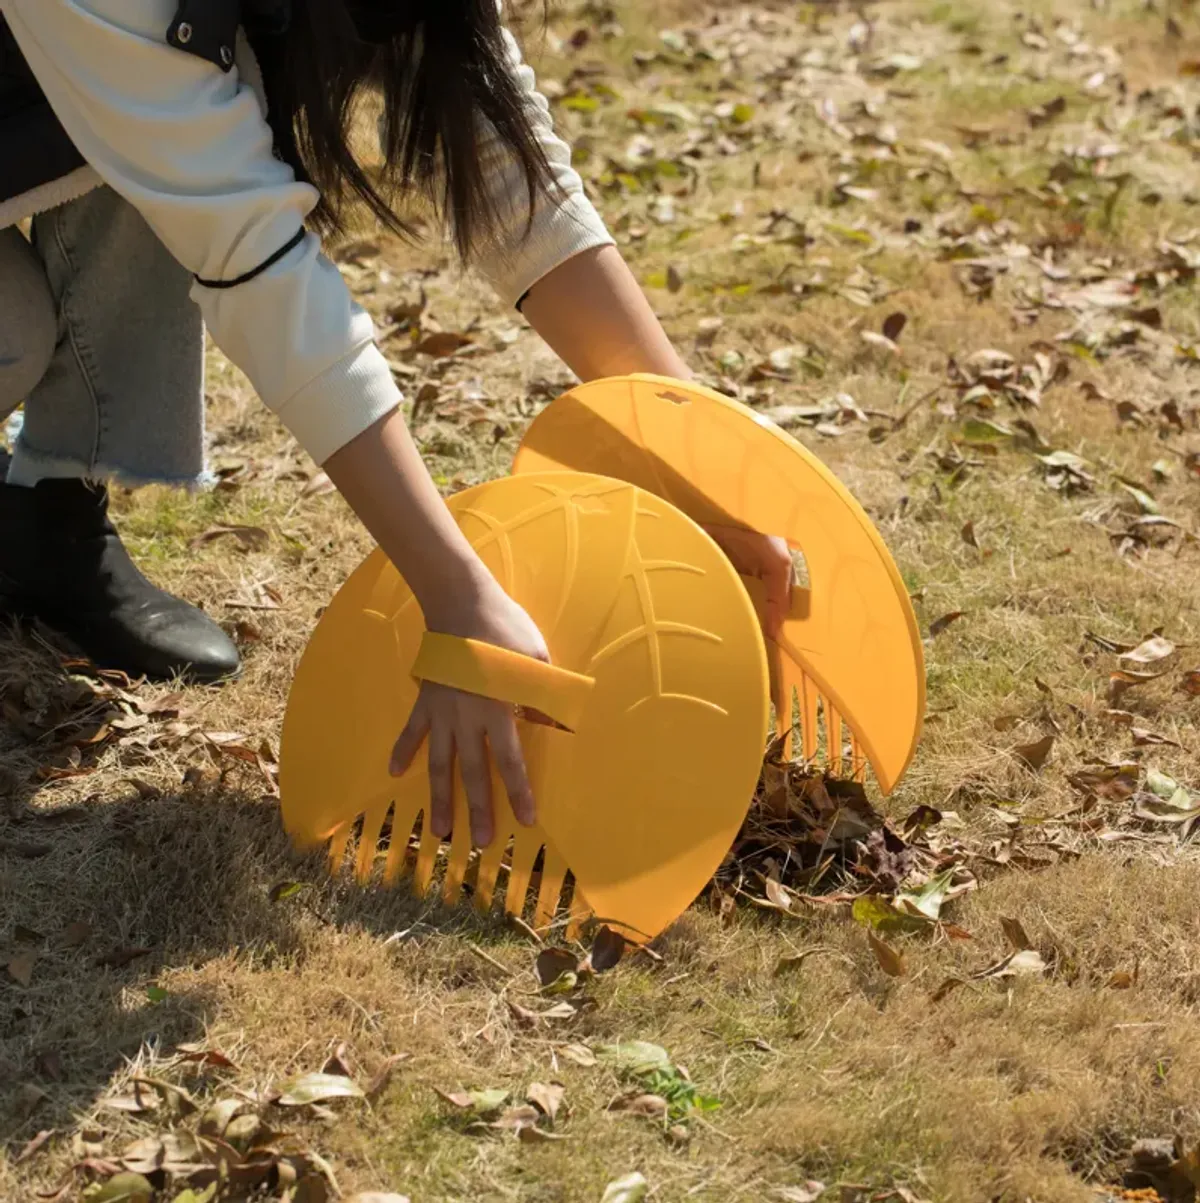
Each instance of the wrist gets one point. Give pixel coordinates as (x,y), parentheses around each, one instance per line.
(457,592)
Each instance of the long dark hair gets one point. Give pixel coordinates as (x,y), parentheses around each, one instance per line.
(440,70)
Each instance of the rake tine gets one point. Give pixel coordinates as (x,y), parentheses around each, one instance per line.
(526,846)
(554,870)
(460,858)
(858,762)
(489,869)
(808,718)
(426,858)
(368,842)
(833,739)
(580,911)
(338,844)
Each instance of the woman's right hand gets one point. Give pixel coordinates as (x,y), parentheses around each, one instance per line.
(472,728)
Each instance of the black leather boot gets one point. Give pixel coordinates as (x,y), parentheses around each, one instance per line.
(62,561)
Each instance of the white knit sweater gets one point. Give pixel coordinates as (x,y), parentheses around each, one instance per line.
(189,147)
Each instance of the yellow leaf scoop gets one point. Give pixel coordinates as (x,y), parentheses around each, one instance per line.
(658,684)
(850,651)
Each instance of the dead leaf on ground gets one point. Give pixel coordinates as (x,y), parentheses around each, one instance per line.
(893,325)
(123,1188)
(479,1102)
(1026,962)
(251,538)
(968,535)
(1143,737)
(1191,683)
(607,949)
(1124,678)
(1150,651)
(553,963)
(546,1097)
(1114,782)
(579,1054)
(631,1188)
(139,1099)
(940,624)
(1014,933)
(442,344)
(318,485)
(118,958)
(806,1192)
(383,1075)
(531,1134)
(318,1088)
(20,967)
(649,1106)
(337,1063)
(33,1146)
(1034,755)
(200,1055)
(893,963)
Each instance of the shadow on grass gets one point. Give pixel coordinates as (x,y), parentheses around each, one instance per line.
(103,895)
(100,898)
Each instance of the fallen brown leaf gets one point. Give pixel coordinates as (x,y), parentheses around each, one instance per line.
(546,1097)
(580,1054)
(1014,933)
(940,624)
(199,1055)
(442,344)
(1034,755)
(552,963)
(118,958)
(607,949)
(251,538)
(33,1146)
(20,967)
(1150,651)
(893,963)
(651,1106)
(383,1075)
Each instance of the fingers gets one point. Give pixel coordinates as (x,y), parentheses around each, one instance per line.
(411,738)
(777,573)
(441,779)
(477,780)
(509,759)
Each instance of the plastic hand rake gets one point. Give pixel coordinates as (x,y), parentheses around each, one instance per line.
(659,677)
(850,647)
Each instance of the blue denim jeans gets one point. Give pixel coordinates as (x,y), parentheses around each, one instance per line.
(101,342)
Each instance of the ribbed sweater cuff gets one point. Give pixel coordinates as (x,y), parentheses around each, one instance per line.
(341,403)
(559,233)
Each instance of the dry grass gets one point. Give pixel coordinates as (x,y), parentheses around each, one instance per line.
(1013,1089)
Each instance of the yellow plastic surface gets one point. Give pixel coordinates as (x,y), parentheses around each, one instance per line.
(851,642)
(659,672)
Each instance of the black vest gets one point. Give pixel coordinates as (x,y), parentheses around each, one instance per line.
(35,150)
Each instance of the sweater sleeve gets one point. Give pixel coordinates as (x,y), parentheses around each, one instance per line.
(564,222)
(189,148)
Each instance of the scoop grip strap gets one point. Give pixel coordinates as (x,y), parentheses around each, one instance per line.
(495,672)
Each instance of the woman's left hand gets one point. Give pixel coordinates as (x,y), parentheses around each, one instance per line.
(766,557)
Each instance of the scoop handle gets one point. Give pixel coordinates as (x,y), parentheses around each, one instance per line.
(496,672)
